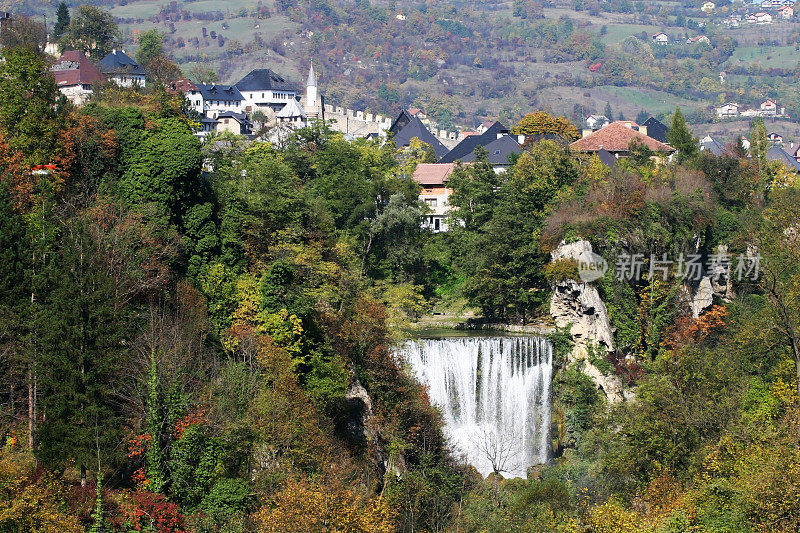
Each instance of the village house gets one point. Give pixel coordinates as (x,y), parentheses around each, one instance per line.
(236,123)
(733,21)
(122,70)
(595,122)
(778,154)
(727,110)
(769,108)
(708,7)
(75,75)
(655,129)
(406,127)
(616,139)
(712,146)
(763,18)
(434,193)
(786,12)
(211,99)
(264,90)
(499,151)
(469,143)
(698,39)
(661,38)
(775,138)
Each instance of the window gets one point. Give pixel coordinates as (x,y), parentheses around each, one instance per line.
(430,202)
(436,224)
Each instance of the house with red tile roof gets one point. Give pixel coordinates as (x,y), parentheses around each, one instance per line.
(616,139)
(75,75)
(434,193)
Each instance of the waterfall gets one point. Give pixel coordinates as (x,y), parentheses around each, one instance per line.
(494,394)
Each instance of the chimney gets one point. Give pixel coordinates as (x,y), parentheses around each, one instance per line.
(521,139)
(643,130)
(586,131)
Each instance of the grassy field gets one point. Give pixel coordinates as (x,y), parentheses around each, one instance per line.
(767,56)
(148,8)
(616,33)
(653,101)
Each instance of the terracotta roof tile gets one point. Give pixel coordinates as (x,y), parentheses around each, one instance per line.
(74,68)
(616,138)
(433,173)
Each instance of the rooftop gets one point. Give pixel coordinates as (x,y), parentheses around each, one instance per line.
(219,92)
(263,79)
(616,137)
(74,68)
(118,62)
(433,173)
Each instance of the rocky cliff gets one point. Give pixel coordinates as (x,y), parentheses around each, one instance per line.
(577,304)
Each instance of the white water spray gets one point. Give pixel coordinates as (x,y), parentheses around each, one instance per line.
(494,393)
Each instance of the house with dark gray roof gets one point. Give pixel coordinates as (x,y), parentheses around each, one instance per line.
(122,70)
(777,153)
(415,128)
(210,99)
(499,152)
(236,123)
(263,89)
(712,146)
(468,144)
(607,158)
(402,120)
(656,129)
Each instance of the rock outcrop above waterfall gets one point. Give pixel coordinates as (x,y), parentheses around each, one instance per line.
(579,304)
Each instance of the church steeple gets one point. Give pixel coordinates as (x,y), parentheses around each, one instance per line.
(312,77)
(312,106)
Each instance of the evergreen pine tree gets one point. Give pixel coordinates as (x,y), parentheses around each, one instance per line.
(62,19)
(609,113)
(79,359)
(14,263)
(681,138)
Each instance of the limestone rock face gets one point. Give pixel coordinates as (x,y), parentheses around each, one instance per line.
(359,405)
(716,282)
(579,304)
(362,429)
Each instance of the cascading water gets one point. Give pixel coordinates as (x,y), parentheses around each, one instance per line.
(494,393)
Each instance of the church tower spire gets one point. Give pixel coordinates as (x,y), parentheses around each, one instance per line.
(312,94)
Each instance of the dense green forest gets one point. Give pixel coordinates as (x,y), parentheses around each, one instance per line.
(198,336)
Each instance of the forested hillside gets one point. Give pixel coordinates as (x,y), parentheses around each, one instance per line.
(199,336)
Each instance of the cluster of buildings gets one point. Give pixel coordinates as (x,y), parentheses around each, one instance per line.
(664,39)
(767,108)
(261,96)
(610,141)
(76,75)
(771,10)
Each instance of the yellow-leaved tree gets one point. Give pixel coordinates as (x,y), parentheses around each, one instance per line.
(543,123)
(303,506)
